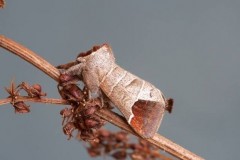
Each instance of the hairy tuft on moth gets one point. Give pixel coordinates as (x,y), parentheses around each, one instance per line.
(141,103)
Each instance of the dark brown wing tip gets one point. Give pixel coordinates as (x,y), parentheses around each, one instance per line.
(147,116)
(169,105)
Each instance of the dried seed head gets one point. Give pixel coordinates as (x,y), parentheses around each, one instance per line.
(120,155)
(68,129)
(2,3)
(121,137)
(66,114)
(90,111)
(91,123)
(135,146)
(94,152)
(36,90)
(71,92)
(12,91)
(21,107)
(87,135)
(136,156)
(63,78)
(37,87)
(32,91)
(103,133)
(76,92)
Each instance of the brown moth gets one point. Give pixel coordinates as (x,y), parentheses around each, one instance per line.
(141,103)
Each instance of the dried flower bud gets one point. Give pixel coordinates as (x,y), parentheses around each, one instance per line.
(71,92)
(91,110)
(66,113)
(21,107)
(120,155)
(135,146)
(32,91)
(121,136)
(87,135)
(64,78)
(68,129)
(37,90)
(37,87)
(75,92)
(93,152)
(91,123)
(104,133)
(2,3)
(136,156)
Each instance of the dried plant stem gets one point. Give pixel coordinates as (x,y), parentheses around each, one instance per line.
(29,56)
(108,115)
(35,99)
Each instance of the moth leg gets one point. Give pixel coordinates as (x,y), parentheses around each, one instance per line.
(75,70)
(66,66)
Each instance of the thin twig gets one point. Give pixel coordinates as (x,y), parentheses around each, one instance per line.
(35,99)
(29,56)
(160,141)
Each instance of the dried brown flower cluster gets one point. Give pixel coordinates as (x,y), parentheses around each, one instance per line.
(31,90)
(2,3)
(118,146)
(80,115)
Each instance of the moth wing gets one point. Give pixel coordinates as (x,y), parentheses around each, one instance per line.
(148,110)
(147,117)
(140,102)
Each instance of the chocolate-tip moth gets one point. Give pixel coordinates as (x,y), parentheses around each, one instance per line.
(141,103)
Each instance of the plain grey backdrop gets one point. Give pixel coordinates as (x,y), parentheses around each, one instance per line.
(189,49)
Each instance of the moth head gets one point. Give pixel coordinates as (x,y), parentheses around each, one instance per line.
(96,62)
(101,52)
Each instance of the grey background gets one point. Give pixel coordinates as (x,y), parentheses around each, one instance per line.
(188,49)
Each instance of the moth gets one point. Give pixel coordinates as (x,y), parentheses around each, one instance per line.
(141,103)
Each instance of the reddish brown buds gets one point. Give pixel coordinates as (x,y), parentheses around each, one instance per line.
(21,107)
(66,114)
(120,155)
(90,110)
(92,123)
(121,137)
(2,3)
(71,92)
(68,129)
(32,91)
(66,78)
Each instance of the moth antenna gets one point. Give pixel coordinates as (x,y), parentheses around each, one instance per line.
(169,105)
